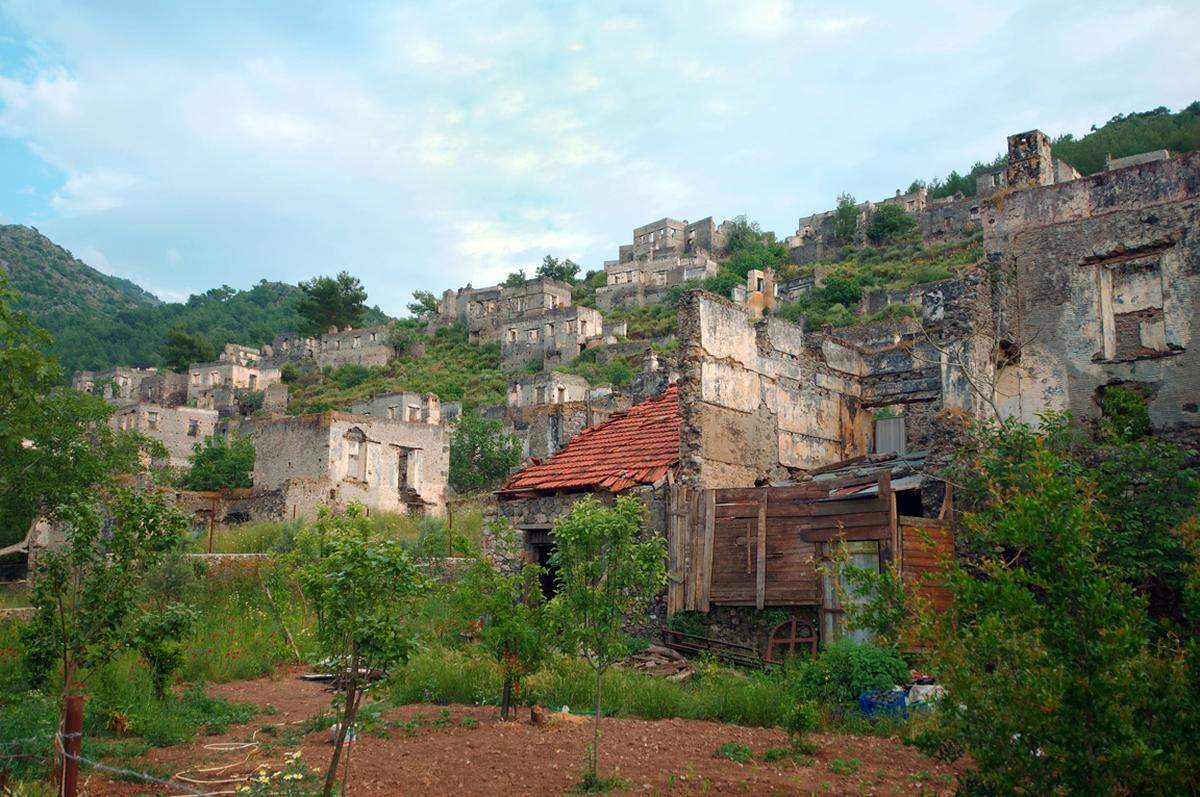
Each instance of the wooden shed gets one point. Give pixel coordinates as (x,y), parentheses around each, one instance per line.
(763,546)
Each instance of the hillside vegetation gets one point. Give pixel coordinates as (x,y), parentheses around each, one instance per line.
(861,268)
(1124,134)
(445,364)
(98,321)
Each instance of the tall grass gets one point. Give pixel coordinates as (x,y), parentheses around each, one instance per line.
(461,532)
(463,676)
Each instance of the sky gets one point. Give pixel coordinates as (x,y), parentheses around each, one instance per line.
(427,145)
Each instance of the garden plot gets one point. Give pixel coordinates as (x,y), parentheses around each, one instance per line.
(464,750)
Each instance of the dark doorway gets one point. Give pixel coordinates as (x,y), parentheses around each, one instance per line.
(549,573)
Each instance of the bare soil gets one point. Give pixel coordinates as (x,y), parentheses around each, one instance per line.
(436,754)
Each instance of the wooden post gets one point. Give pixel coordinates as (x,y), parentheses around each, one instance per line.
(72,731)
(210,529)
(710,519)
(760,577)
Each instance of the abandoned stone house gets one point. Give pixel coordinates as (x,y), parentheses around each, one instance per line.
(335,458)
(485,311)
(234,371)
(664,253)
(370,346)
(402,406)
(760,293)
(939,219)
(553,337)
(116,385)
(773,430)
(546,411)
(178,428)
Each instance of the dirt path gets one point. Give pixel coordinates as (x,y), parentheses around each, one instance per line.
(466,750)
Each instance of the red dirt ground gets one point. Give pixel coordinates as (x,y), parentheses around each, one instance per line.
(516,758)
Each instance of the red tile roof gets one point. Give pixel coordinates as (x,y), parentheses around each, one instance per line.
(630,448)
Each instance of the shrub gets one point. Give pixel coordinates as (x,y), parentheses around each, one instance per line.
(220,463)
(1056,683)
(888,223)
(845,669)
(1124,414)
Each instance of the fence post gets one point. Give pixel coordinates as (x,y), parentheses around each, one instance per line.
(72,742)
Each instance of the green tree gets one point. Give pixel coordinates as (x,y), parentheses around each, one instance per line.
(1056,684)
(423,305)
(481,452)
(516,279)
(181,349)
(332,301)
(56,447)
(512,621)
(221,463)
(565,270)
(606,571)
(890,223)
(360,585)
(87,593)
(845,218)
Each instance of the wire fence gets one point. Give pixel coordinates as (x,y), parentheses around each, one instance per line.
(182,783)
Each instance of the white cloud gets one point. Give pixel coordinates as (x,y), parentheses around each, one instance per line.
(95,191)
(427,146)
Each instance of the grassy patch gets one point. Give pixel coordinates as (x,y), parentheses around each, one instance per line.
(735,751)
(845,766)
(861,268)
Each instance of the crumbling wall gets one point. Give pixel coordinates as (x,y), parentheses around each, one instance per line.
(755,401)
(370,347)
(339,457)
(1105,275)
(179,429)
(555,337)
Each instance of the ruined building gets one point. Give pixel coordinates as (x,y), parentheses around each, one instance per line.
(772,429)
(665,253)
(335,458)
(178,428)
(546,411)
(214,385)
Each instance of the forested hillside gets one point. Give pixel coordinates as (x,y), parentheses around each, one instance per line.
(98,321)
(1124,134)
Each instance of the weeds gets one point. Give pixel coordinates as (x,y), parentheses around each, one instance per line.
(845,766)
(735,751)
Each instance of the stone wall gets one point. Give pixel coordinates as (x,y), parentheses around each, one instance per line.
(550,387)
(370,346)
(117,385)
(338,457)
(402,406)
(1107,275)
(177,428)
(756,402)
(554,338)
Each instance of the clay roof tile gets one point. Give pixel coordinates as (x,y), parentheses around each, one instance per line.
(635,447)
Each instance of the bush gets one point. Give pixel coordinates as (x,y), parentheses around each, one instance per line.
(220,463)
(350,375)
(845,669)
(888,223)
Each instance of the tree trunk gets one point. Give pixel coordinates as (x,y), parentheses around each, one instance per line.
(596,729)
(505,696)
(347,719)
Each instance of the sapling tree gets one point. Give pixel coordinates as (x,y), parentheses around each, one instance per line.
(360,584)
(606,571)
(86,594)
(510,609)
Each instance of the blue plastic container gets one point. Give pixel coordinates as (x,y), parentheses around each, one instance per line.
(890,702)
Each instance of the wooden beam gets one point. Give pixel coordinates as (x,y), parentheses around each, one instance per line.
(710,519)
(760,579)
